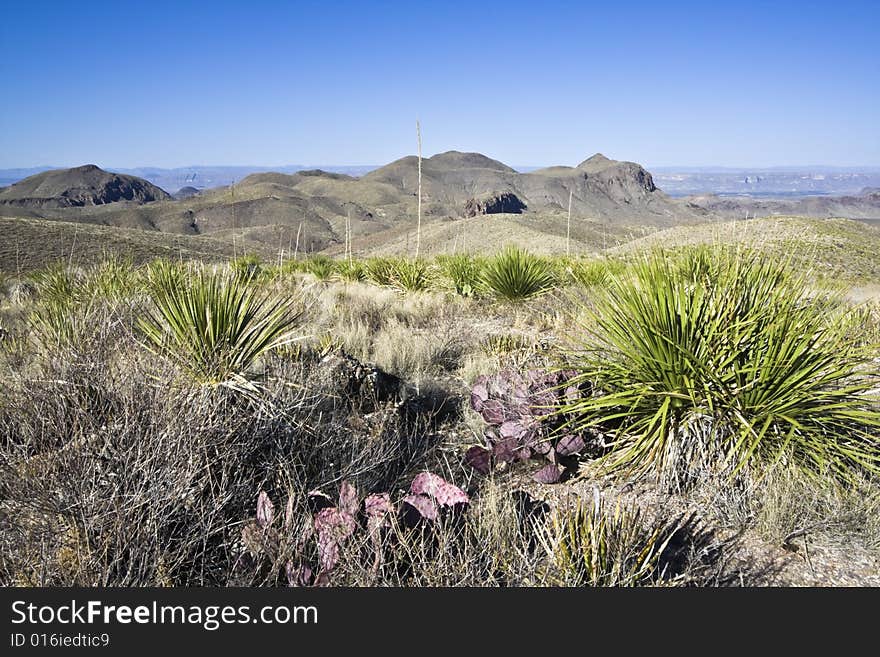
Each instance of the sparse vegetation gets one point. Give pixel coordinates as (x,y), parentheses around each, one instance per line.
(720,360)
(196,467)
(212,326)
(411,275)
(464,273)
(592,546)
(516,275)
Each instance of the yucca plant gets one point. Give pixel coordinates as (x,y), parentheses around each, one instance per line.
(380,271)
(59,317)
(717,362)
(320,266)
(247,267)
(55,283)
(589,545)
(516,275)
(593,273)
(291,267)
(351,271)
(113,279)
(58,322)
(213,326)
(411,275)
(463,273)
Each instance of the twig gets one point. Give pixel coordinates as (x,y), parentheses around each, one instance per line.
(419,220)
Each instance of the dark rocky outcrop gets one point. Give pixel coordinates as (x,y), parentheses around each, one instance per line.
(494,203)
(363,384)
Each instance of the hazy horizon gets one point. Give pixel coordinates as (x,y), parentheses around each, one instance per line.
(517,166)
(666,85)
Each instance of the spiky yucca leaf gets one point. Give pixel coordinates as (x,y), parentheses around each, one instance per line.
(351,271)
(113,279)
(247,267)
(213,326)
(463,273)
(594,273)
(320,266)
(590,545)
(61,313)
(380,271)
(55,284)
(516,275)
(411,275)
(56,322)
(716,360)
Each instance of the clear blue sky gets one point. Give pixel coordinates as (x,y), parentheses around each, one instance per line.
(740,83)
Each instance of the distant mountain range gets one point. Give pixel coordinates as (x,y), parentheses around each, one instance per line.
(197,176)
(773,182)
(318,209)
(767,182)
(469,201)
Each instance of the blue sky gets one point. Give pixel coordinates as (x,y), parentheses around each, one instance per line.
(744,83)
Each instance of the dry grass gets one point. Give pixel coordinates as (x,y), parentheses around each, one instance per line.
(30,244)
(113,471)
(836,249)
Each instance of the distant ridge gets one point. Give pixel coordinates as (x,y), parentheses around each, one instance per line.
(86,185)
(316,209)
(467,199)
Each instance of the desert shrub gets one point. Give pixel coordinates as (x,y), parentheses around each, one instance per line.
(351,271)
(111,478)
(380,271)
(55,283)
(462,273)
(590,545)
(713,361)
(214,327)
(247,267)
(113,279)
(411,275)
(516,275)
(319,266)
(593,273)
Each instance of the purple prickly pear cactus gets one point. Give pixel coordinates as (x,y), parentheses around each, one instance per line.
(265,510)
(525,417)
(444,493)
(424,506)
(549,474)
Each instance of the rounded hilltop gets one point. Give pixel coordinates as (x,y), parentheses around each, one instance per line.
(80,186)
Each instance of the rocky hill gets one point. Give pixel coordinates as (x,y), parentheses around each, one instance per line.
(467,199)
(454,183)
(87,185)
(185,192)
